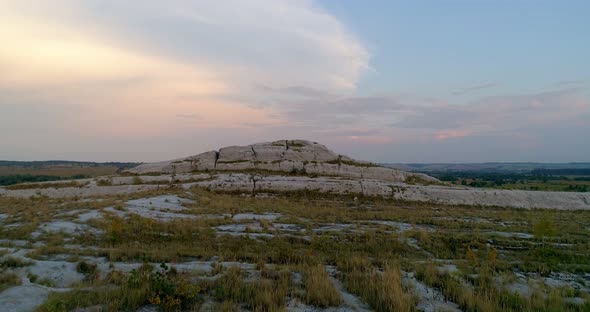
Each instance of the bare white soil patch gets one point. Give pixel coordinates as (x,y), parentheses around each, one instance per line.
(62,226)
(23,298)
(162,208)
(255,216)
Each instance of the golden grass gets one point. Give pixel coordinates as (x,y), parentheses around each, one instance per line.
(383,291)
(319,290)
(8,279)
(369,256)
(265,294)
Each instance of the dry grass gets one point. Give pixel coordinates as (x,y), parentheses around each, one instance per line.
(369,256)
(480,293)
(319,290)
(383,291)
(265,294)
(8,279)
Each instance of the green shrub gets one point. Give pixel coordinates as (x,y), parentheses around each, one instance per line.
(89,270)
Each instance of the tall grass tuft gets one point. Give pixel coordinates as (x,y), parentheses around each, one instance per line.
(383,291)
(320,291)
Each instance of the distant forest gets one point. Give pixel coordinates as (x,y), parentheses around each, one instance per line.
(561,172)
(566,180)
(15,172)
(47,163)
(27,178)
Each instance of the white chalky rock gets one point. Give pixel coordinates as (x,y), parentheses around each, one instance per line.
(290,156)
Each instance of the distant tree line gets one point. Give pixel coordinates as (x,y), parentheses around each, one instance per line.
(27,178)
(576,188)
(497,179)
(561,172)
(500,178)
(480,179)
(46,163)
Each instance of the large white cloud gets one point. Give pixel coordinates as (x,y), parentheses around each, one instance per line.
(129,68)
(150,80)
(242,43)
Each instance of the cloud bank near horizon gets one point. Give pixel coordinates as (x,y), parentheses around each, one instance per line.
(112,80)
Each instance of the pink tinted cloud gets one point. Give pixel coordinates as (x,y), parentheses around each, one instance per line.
(370,139)
(451,134)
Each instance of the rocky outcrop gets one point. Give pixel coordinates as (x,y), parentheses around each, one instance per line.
(401,191)
(249,183)
(289,156)
(311,167)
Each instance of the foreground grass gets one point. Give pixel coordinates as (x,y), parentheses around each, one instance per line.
(370,258)
(266,294)
(165,288)
(320,291)
(382,290)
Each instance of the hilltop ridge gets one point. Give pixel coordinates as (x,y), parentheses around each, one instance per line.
(288,166)
(289,156)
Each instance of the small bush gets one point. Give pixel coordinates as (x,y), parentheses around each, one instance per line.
(32,277)
(104,182)
(169,291)
(89,270)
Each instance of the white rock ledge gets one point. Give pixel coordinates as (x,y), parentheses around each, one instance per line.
(246,183)
(287,156)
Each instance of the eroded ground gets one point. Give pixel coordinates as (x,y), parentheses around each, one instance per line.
(179,249)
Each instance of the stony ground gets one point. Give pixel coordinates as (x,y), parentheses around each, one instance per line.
(156,246)
(245,182)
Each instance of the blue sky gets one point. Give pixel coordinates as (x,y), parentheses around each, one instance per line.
(387,81)
(440,46)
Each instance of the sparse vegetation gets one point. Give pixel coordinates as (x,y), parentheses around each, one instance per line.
(89,270)
(319,290)
(104,182)
(368,244)
(383,291)
(8,279)
(266,294)
(164,288)
(137,180)
(14,262)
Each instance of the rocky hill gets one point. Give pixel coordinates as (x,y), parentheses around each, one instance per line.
(286,156)
(294,166)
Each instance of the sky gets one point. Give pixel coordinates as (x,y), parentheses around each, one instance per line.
(381,80)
